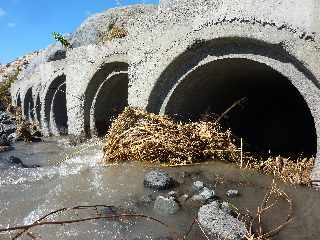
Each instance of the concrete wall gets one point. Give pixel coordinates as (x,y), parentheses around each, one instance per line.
(165,49)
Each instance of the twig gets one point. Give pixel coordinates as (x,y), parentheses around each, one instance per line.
(239,102)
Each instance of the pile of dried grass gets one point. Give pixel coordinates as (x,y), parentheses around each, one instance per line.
(297,171)
(140,136)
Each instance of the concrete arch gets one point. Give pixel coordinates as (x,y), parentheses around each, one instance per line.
(28,105)
(105,96)
(202,55)
(201,52)
(54,105)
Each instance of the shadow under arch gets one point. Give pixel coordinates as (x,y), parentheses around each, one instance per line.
(55,108)
(28,105)
(19,100)
(105,96)
(38,109)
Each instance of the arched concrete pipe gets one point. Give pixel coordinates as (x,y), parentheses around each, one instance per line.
(282,112)
(106,95)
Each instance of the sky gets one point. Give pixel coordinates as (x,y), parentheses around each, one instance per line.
(26,25)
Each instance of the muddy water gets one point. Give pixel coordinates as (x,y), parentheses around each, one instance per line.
(28,193)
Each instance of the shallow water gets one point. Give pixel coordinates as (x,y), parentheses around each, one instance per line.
(26,194)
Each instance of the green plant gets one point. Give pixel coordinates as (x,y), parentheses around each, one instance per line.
(58,37)
(5,96)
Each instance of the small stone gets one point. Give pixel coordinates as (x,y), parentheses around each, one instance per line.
(166,206)
(220,224)
(158,180)
(232,193)
(225,206)
(198,198)
(197,186)
(173,194)
(183,198)
(146,199)
(207,194)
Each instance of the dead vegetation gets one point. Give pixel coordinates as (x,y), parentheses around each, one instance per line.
(114,32)
(140,136)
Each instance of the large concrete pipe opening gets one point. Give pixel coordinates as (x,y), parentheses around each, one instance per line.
(275,117)
(55,106)
(106,96)
(28,105)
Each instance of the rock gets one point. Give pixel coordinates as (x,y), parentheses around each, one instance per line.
(158,180)
(197,198)
(166,206)
(173,194)
(232,193)
(220,224)
(183,198)
(197,186)
(145,199)
(57,55)
(207,194)
(17,161)
(225,206)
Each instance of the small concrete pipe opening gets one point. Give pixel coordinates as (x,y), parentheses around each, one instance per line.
(275,117)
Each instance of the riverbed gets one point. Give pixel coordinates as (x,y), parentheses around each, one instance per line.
(72,176)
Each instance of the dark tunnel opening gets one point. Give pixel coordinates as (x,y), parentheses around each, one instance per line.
(19,101)
(29,105)
(274,119)
(59,110)
(38,110)
(111,99)
(55,112)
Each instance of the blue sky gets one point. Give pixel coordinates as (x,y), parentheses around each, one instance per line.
(26,25)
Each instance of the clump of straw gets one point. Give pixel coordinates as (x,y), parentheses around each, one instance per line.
(140,136)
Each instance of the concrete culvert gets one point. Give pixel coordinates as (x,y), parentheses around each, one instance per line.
(28,105)
(106,96)
(59,110)
(275,117)
(55,106)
